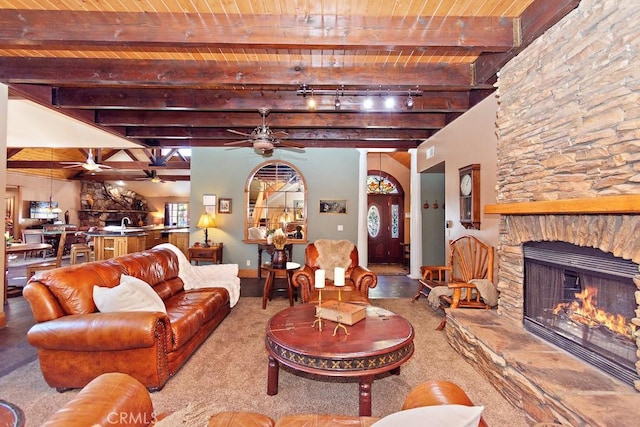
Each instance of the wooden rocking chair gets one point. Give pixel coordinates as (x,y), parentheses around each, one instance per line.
(469,259)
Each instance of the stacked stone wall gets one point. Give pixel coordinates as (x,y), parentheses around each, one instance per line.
(568,120)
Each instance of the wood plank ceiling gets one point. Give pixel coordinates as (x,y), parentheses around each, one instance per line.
(173,74)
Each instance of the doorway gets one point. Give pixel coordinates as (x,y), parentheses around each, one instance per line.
(385,228)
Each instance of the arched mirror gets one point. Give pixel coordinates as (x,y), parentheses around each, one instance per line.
(275,197)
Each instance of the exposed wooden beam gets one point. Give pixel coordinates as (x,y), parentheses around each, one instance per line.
(29,28)
(241,100)
(45,164)
(193,74)
(276,120)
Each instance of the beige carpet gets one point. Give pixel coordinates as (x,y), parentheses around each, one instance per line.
(229,372)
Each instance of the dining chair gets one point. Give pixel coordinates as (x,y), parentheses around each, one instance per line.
(32,269)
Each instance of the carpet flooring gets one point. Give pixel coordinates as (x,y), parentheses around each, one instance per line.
(229,372)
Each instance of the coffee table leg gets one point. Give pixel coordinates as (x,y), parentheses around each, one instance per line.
(365,395)
(272,377)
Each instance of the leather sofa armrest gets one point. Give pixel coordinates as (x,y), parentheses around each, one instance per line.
(110,399)
(438,392)
(364,279)
(304,279)
(101,331)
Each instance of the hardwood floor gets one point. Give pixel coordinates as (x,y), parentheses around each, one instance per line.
(16,352)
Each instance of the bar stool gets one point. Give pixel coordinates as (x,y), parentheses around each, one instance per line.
(81,249)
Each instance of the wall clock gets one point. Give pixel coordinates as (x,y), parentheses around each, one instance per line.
(470,196)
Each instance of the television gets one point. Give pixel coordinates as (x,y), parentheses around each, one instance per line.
(42,210)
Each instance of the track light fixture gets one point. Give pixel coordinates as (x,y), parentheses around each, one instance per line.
(390,102)
(409,102)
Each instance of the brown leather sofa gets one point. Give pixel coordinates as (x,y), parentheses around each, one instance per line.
(358,279)
(76,343)
(118,399)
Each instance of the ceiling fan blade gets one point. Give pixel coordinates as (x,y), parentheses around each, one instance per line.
(280,134)
(293,144)
(243,141)
(71,165)
(237,132)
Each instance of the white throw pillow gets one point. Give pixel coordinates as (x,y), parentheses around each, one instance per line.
(434,416)
(132,294)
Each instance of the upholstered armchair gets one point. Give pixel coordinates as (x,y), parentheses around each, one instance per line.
(326,255)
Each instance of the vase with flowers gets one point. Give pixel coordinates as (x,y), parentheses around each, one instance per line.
(279,257)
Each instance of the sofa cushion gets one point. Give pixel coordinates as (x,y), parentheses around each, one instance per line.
(435,416)
(132,294)
(189,310)
(73,285)
(157,267)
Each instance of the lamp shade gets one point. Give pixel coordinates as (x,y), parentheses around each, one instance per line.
(206,221)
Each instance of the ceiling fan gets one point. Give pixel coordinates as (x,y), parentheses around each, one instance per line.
(152,176)
(89,164)
(263,139)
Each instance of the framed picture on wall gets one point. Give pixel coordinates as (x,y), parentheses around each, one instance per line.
(224,205)
(333,206)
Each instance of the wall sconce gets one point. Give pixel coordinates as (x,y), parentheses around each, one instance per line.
(206,221)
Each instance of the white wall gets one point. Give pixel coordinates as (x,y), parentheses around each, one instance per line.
(469,139)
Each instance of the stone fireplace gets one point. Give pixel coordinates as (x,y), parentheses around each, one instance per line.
(568,171)
(546,381)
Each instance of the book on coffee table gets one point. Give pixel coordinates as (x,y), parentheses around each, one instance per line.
(341,312)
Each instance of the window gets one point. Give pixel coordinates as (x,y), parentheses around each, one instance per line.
(275,198)
(176,214)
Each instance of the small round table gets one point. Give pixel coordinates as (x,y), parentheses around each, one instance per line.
(290,267)
(381,342)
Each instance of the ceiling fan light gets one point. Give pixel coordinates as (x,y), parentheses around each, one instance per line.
(263,145)
(155,180)
(91,166)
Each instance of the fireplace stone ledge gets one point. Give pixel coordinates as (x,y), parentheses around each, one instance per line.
(547,383)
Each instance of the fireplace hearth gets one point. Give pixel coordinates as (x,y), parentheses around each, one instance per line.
(582,300)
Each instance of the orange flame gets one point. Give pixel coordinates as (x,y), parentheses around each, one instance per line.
(585,311)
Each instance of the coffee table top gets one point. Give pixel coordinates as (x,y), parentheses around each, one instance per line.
(379,343)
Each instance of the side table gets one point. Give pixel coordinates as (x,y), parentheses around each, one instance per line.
(271,275)
(269,249)
(212,253)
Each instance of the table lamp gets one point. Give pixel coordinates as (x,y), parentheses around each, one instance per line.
(206,221)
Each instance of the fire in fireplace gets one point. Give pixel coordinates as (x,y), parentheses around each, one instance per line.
(582,300)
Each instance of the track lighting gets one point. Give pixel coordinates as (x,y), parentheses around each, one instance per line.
(390,101)
(311,102)
(409,102)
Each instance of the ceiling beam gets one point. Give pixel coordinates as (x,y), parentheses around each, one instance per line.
(46,164)
(42,28)
(197,74)
(241,100)
(280,120)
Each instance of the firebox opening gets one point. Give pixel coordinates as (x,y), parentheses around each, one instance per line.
(582,300)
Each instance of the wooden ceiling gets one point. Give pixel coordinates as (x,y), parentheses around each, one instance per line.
(171,74)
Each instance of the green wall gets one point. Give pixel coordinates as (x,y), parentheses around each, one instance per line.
(329,174)
(433,220)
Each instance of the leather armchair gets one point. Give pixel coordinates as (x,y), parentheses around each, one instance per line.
(358,279)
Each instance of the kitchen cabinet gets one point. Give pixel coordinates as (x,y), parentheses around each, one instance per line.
(111,246)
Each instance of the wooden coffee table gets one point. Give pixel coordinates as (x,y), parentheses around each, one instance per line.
(380,343)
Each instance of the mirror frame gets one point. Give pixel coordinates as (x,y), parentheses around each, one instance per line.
(249,222)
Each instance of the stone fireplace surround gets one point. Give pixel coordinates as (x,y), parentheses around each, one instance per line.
(546,382)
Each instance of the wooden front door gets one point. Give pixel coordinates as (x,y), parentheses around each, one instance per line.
(385,228)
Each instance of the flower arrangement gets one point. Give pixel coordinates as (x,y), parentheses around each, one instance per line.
(279,239)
